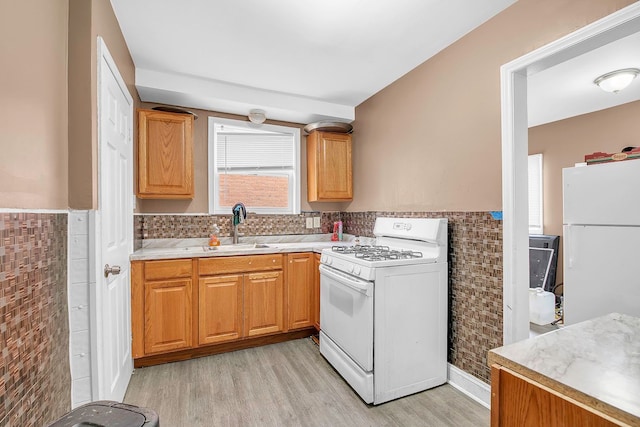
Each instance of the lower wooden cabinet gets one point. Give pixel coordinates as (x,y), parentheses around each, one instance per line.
(263,313)
(316,292)
(189,304)
(258,287)
(167,316)
(520,401)
(161,306)
(300,290)
(220,309)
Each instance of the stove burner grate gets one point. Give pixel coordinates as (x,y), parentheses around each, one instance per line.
(376,253)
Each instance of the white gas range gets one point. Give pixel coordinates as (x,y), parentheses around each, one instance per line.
(383,309)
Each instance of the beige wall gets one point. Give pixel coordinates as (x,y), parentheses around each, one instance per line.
(200,202)
(48,103)
(33,104)
(565,143)
(89,19)
(431,140)
(81,149)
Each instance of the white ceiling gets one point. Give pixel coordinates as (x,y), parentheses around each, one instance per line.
(304,61)
(300,61)
(567,89)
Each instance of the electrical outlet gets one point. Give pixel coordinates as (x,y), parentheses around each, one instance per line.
(316,222)
(309,222)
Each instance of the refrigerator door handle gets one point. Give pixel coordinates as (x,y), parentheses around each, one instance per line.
(567,242)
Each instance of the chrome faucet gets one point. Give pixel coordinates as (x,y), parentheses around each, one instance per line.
(239,215)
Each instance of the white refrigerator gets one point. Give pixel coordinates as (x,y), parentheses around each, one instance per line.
(601,205)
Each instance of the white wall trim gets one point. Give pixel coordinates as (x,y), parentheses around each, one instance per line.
(78,267)
(515,143)
(469,385)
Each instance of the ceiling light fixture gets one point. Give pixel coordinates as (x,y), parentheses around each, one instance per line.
(617,80)
(257,116)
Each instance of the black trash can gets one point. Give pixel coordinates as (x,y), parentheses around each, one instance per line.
(106,413)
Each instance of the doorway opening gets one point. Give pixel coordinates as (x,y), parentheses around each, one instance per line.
(515,151)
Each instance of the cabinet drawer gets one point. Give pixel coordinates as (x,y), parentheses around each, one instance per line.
(170,269)
(240,264)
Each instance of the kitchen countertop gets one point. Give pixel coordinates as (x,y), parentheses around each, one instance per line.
(596,362)
(196,248)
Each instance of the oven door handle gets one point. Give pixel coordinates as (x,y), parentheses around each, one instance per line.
(362,286)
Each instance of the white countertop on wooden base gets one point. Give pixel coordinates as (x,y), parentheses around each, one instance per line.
(596,362)
(196,248)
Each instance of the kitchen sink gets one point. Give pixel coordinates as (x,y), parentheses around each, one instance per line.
(237,247)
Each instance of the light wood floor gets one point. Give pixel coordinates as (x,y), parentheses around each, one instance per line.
(286,384)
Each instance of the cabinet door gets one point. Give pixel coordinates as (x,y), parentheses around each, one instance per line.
(316,291)
(167,315)
(263,302)
(300,298)
(329,170)
(220,309)
(520,401)
(165,155)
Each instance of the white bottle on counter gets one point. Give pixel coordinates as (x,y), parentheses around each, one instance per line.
(542,306)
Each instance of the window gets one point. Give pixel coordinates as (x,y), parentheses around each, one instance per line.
(257,165)
(535,194)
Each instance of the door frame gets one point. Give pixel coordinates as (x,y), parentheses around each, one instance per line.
(513,78)
(95,228)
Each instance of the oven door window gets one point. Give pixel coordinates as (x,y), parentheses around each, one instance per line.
(346,314)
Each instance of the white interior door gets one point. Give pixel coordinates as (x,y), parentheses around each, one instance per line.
(115,230)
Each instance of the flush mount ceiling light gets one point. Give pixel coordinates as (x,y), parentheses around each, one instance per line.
(257,116)
(617,80)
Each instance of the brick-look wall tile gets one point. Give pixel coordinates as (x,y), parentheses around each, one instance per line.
(35,380)
(200,226)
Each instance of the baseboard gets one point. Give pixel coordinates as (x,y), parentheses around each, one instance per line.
(208,350)
(471,386)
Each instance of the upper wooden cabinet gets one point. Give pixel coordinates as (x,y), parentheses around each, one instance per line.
(165,155)
(329,170)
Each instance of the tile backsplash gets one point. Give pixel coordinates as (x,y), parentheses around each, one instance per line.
(35,381)
(475,265)
(150,226)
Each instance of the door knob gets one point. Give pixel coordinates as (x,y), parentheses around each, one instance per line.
(111,270)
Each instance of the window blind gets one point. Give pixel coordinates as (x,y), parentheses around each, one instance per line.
(254,151)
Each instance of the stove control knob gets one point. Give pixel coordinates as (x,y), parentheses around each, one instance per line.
(351,268)
(357,270)
(323,259)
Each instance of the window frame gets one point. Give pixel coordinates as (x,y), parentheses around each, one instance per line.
(212,173)
(538,159)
